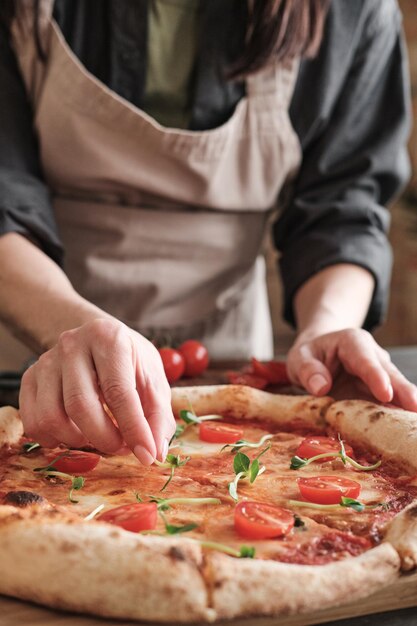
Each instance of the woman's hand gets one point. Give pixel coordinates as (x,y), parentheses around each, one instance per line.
(62,394)
(316,362)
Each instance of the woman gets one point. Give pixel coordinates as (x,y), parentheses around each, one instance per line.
(165,142)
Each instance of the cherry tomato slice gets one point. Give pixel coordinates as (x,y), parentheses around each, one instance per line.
(251,380)
(213,432)
(328,489)
(173,362)
(312,446)
(133,517)
(76,462)
(196,357)
(275,372)
(259,520)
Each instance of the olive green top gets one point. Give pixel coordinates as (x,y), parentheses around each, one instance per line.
(172,43)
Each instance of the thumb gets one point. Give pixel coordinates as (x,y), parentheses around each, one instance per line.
(311,373)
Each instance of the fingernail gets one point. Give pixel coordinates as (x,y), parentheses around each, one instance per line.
(317,383)
(143,455)
(390,391)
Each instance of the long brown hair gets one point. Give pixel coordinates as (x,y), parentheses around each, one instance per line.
(280,29)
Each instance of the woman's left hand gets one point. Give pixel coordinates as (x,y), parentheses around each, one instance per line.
(316,363)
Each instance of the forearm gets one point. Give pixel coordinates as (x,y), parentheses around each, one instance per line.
(37,301)
(338,297)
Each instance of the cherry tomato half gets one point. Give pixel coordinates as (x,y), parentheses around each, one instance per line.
(214,432)
(196,357)
(259,520)
(275,372)
(76,462)
(133,517)
(328,489)
(173,362)
(243,378)
(312,446)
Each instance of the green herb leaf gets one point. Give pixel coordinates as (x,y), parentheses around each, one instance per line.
(297,462)
(178,432)
(30,445)
(188,417)
(175,530)
(77,484)
(247,552)
(137,497)
(243,443)
(241,463)
(352,504)
(254,470)
(268,447)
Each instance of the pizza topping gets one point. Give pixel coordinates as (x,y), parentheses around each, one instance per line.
(75,462)
(349,503)
(171,529)
(133,517)
(77,482)
(250,380)
(242,443)
(328,489)
(244,552)
(94,512)
(189,417)
(163,504)
(259,520)
(320,449)
(244,468)
(30,445)
(172,461)
(219,433)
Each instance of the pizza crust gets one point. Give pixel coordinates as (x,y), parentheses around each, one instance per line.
(54,559)
(267,587)
(243,402)
(402,534)
(11,427)
(390,432)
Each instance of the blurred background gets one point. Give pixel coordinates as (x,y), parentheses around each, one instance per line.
(400,327)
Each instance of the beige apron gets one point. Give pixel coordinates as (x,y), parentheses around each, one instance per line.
(163,228)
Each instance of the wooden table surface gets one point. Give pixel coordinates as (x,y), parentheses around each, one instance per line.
(368,612)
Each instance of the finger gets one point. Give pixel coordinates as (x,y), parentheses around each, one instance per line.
(310,372)
(158,412)
(27,410)
(405,393)
(50,410)
(81,398)
(117,380)
(358,355)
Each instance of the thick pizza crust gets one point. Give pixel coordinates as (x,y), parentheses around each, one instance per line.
(243,402)
(267,587)
(55,559)
(402,534)
(390,432)
(11,427)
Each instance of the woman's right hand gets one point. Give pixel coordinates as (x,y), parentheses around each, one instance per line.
(62,394)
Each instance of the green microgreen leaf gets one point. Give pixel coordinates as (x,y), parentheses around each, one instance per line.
(352,504)
(51,465)
(244,552)
(77,484)
(298,463)
(138,497)
(254,470)
(171,529)
(173,461)
(268,447)
(29,446)
(243,443)
(348,503)
(241,463)
(178,432)
(163,504)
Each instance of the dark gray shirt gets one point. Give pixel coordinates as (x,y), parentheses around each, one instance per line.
(350,110)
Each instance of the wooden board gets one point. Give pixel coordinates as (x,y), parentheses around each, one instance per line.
(400,595)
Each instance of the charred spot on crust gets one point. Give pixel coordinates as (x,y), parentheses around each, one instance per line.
(376,415)
(23,498)
(176,553)
(412,512)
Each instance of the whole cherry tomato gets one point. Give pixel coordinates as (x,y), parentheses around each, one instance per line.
(173,362)
(196,357)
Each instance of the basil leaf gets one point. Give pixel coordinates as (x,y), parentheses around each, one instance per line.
(30,445)
(247,552)
(352,504)
(241,463)
(175,530)
(254,470)
(297,462)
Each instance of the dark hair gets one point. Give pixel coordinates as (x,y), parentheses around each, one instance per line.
(280,29)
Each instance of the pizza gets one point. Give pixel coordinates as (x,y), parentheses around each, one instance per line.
(266,505)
